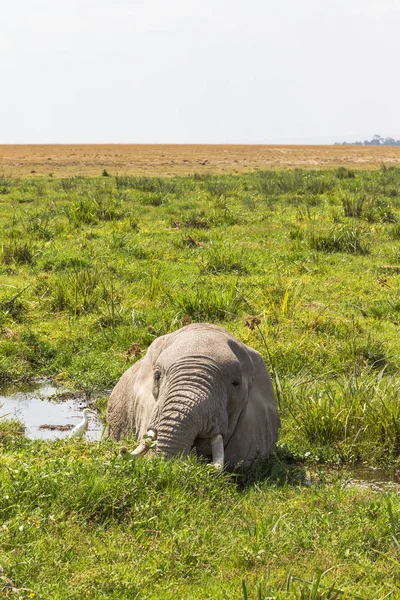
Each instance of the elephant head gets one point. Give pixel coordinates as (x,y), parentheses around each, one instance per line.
(197,388)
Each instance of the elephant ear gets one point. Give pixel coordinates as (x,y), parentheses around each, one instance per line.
(131,402)
(256,432)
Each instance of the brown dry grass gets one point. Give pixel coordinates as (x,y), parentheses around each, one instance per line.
(67,160)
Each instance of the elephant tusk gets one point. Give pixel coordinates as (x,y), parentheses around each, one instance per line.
(140,450)
(145,446)
(217,448)
(151,435)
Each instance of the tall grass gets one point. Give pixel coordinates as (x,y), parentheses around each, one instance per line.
(395,231)
(97,204)
(191,221)
(18,251)
(353,417)
(6,184)
(151,185)
(154,199)
(223,258)
(12,304)
(205,303)
(83,290)
(344,238)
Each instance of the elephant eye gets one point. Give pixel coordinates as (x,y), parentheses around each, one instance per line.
(157,376)
(236,382)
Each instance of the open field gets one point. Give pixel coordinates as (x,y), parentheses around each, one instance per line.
(302,265)
(153,160)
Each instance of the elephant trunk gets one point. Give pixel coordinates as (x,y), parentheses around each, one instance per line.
(176,429)
(182,444)
(176,436)
(189,408)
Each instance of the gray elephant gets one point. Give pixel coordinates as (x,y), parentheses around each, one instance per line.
(197,388)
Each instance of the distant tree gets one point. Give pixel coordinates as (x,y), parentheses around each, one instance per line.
(377,140)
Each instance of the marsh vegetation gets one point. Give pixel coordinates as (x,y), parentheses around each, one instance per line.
(304,266)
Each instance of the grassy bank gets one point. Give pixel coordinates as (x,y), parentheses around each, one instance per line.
(304,266)
(78,521)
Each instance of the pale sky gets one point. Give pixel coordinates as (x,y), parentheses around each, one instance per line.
(198,71)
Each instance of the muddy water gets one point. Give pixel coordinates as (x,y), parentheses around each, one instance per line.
(374,478)
(43,408)
(375,475)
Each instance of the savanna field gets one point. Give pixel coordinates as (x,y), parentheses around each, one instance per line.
(304,266)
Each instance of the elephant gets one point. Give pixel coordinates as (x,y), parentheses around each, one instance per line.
(197,388)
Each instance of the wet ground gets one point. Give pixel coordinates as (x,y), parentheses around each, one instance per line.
(46,411)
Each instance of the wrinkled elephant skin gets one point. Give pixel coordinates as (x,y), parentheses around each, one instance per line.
(197,388)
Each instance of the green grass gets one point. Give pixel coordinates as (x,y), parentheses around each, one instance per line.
(303,266)
(79,521)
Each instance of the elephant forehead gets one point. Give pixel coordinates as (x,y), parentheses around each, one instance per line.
(208,347)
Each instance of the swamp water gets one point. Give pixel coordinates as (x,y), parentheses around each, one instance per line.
(375,478)
(46,411)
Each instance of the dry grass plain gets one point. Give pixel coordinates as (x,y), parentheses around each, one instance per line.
(135,159)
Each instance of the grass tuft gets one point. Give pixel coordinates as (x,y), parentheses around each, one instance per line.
(77,291)
(223,258)
(21,252)
(205,304)
(345,238)
(395,231)
(98,204)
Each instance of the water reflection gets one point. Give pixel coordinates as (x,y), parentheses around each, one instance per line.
(375,478)
(41,407)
